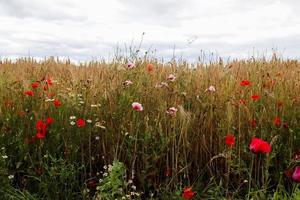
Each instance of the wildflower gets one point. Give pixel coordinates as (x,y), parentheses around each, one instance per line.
(11,176)
(296,174)
(72,117)
(172,111)
(97,138)
(49,81)
(35,85)
(137,106)
(260,146)
(245,83)
(127,83)
(211,89)
(130,65)
(229,140)
(188,193)
(286,125)
(41,129)
(171,77)
(80,123)
(72,123)
(89,121)
(255,97)
(150,68)
(162,84)
(45,87)
(277,121)
(49,120)
(56,103)
(29,92)
(243,101)
(4,157)
(253,123)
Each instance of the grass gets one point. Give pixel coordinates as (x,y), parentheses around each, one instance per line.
(151,154)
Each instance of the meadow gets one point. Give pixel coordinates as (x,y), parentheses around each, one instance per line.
(144,129)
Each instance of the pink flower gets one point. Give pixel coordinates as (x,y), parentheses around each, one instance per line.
(171,77)
(137,106)
(130,65)
(172,111)
(211,89)
(127,82)
(296,174)
(162,84)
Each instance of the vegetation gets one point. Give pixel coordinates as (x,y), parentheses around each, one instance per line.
(143,129)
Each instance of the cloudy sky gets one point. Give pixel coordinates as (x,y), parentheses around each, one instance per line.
(93,29)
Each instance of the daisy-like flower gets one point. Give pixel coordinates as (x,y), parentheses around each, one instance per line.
(137,106)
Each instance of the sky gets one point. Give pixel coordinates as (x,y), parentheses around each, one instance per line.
(94,29)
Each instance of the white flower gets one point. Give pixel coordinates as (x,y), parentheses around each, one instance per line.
(97,137)
(105,174)
(89,121)
(11,176)
(4,157)
(72,117)
(72,123)
(211,89)
(110,168)
(127,82)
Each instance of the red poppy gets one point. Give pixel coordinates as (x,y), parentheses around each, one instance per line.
(150,67)
(56,103)
(229,140)
(255,97)
(245,83)
(188,193)
(41,129)
(45,87)
(49,120)
(286,125)
(253,123)
(29,92)
(49,81)
(260,146)
(277,121)
(80,123)
(35,85)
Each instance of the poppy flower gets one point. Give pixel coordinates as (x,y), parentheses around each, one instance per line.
(245,83)
(80,123)
(277,121)
(41,129)
(49,81)
(29,92)
(49,120)
(45,87)
(172,111)
(188,193)
(255,97)
(296,174)
(137,106)
(253,123)
(150,68)
(229,140)
(56,103)
(35,85)
(286,125)
(171,77)
(260,146)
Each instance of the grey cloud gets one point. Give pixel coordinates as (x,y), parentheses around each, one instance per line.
(55,10)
